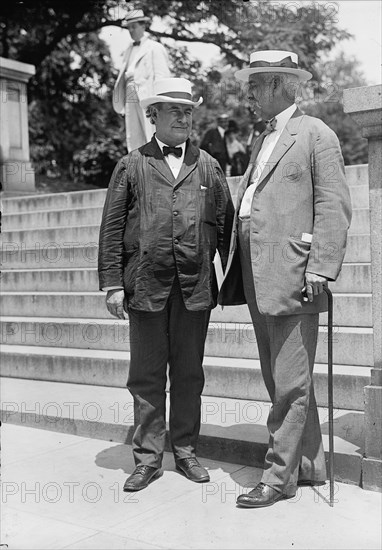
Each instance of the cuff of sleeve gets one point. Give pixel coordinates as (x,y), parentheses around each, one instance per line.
(106,288)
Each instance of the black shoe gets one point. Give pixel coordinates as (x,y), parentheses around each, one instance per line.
(191,468)
(141,477)
(309,483)
(262,495)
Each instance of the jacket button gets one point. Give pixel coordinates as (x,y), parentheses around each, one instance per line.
(175,213)
(176,241)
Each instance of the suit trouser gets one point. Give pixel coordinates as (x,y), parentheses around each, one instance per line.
(173,336)
(287,346)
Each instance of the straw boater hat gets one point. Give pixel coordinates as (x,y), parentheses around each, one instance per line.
(136,16)
(273,61)
(171,90)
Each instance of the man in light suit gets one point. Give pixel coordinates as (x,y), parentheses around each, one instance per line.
(289,236)
(144,62)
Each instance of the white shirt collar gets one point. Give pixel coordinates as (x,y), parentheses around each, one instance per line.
(221,131)
(283,117)
(161,145)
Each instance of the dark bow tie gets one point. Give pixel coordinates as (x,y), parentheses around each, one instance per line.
(270,125)
(177,151)
(137,43)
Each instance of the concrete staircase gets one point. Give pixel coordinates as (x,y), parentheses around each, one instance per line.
(65,359)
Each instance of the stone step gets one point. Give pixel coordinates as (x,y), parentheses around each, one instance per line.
(225,377)
(357,175)
(358,248)
(53,255)
(92,215)
(351,345)
(55,201)
(354,278)
(232,430)
(67,280)
(75,270)
(53,218)
(49,212)
(359,196)
(349,309)
(360,223)
(42,238)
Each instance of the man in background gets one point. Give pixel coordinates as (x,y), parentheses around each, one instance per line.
(144,62)
(214,141)
(257,127)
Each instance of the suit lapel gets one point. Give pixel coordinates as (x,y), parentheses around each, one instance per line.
(144,48)
(256,148)
(243,185)
(125,60)
(284,143)
(157,160)
(189,163)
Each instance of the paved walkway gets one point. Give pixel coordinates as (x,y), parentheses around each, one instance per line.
(65,491)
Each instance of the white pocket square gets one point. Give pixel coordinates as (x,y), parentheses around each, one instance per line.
(202,187)
(306,237)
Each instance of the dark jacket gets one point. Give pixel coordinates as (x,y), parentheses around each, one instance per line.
(155,226)
(215,145)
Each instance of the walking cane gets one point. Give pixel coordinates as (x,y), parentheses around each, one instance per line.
(330,394)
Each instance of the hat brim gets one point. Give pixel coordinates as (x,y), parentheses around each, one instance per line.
(137,19)
(167,99)
(244,74)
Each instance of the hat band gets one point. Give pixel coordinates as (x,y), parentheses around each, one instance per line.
(284,63)
(177,95)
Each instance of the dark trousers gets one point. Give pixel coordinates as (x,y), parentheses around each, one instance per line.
(175,337)
(287,347)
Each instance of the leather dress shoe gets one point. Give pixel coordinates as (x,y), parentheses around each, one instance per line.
(262,495)
(191,468)
(141,477)
(309,483)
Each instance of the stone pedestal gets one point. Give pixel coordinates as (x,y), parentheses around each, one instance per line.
(16,172)
(364,105)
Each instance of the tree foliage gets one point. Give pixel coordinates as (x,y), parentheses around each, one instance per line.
(326,103)
(70,101)
(70,95)
(31,32)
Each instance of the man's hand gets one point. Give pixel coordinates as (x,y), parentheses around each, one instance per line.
(314,285)
(114,303)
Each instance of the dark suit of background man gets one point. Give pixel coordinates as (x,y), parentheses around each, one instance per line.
(167,210)
(292,217)
(214,142)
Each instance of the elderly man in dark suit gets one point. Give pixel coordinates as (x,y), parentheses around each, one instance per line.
(168,209)
(214,141)
(292,216)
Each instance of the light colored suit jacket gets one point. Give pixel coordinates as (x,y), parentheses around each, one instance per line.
(301,195)
(150,64)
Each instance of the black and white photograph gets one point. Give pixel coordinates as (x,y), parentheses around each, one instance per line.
(191,275)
